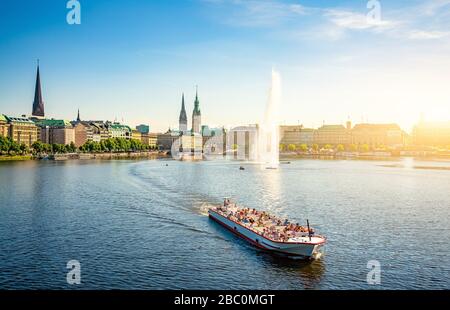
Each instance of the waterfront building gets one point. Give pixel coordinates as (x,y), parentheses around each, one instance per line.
(431,134)
(165,140)
(378,135)
(143,129)
(296,135)
(332,135)
(190,144)
(100,131)
(196,116)
(243,142)
(150,139)
(83,133)
(183,122)
(4,126)
(136,135)
(38,103)
(117,130)
(208,133)
(53,131)
(22,130)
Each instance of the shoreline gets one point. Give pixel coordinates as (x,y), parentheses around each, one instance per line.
(85,156)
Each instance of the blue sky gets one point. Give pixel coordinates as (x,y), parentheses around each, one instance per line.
(131,60)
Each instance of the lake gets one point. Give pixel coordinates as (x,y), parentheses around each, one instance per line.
(143,224)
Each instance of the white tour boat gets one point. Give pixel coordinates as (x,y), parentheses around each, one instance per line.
(268,232)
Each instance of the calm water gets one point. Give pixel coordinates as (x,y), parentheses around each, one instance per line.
(142,225)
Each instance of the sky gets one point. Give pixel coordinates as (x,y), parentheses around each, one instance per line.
(131,60)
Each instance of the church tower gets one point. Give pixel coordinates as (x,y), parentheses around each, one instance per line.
(38,103)
(183,118)
(196,115)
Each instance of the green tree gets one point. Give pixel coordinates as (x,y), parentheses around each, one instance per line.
(315,147)
(38,147)
(364,148)
(303,147)
(24,149)
(292,147)
(328,147)
(353,147)
(282,147)
(14,147)
(340,148)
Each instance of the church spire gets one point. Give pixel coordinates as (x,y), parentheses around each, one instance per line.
(183,117)
(196,115)
(38,103)
(78,117)
(196,103)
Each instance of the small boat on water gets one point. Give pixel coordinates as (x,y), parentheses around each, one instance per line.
(241,168)
(268,232)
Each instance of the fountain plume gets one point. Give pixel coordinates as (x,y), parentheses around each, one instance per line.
(269,131)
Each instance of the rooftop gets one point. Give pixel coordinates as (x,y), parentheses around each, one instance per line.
(377,127)
(18,120)
(53,123)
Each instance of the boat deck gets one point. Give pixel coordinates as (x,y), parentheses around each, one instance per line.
(268,228)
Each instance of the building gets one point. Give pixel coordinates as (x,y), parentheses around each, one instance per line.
(53,131)
(117,130)
(136,135)
(38,103)
(22,130)
(431,134)
(196,116)
(378,135)
(144,129)
(165,140)
(150,139)
(208,133)
(189,144)
(332,135)
(4,126)
(83,133)
(183,118)
(243,142)
(100,131)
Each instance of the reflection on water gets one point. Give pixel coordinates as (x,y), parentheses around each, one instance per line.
(144,225)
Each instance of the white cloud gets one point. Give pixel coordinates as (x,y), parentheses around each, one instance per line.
(428,35)
(356,21)
(260,13)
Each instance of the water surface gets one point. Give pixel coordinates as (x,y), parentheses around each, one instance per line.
(142,224)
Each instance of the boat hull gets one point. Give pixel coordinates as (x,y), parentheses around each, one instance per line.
(306,250)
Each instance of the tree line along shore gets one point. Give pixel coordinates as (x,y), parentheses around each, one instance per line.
(11,150)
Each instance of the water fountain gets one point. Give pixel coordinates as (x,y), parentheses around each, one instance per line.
(269,131)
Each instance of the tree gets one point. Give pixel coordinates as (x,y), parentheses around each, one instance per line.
(5,143)
(14,147)
(38,147)
(282,147)
(328,147)
(340,148)
(315,147)
(353,147)
(23,149)
(292,147)
(364,148)
(303,147)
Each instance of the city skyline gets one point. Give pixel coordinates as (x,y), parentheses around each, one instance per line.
(333,67)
